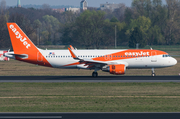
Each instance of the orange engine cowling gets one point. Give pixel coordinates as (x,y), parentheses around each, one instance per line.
(118,69)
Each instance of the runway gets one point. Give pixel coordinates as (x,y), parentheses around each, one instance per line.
(58,79)
(89,115)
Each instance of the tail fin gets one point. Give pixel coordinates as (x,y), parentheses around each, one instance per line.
(19,39)
(24,49)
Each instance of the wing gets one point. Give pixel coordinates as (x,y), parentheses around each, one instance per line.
(92,64)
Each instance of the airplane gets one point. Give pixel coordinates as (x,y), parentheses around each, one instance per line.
(113,61)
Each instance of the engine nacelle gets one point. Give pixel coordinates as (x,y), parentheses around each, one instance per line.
(118,69)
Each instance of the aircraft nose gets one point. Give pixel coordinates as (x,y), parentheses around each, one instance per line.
(174,61)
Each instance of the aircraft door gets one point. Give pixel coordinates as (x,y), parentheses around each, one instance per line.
(153,56)
(39,57)
(108,57)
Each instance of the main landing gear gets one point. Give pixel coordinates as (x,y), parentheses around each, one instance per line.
(94,74)
(153,72)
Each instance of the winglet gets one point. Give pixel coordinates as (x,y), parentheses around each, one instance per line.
(72,54)
(71,47)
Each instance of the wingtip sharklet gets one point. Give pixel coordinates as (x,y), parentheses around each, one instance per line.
(72,54)
(72,48)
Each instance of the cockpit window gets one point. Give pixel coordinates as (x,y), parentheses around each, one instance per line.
(166,56)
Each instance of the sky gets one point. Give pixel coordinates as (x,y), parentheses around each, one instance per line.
(91,3)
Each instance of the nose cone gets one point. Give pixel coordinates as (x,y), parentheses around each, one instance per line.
(173,61)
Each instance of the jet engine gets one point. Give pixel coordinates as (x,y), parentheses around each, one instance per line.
(117,69)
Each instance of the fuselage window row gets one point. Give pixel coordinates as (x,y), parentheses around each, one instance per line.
(100,56)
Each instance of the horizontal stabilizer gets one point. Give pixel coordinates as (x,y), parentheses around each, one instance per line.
(23,56)
(12,55)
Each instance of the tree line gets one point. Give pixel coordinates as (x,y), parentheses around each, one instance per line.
(146,22)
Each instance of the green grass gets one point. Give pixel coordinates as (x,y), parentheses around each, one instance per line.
(89,97)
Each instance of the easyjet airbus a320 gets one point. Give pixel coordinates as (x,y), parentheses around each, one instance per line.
(112,61)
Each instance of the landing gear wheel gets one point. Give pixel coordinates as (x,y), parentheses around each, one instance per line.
(94,74)
(153,74)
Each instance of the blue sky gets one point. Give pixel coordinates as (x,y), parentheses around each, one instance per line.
(91,3)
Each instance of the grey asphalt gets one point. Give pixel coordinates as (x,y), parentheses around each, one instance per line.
(89,115)
(56,79)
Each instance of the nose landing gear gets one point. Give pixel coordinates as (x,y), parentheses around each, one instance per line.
(153,72)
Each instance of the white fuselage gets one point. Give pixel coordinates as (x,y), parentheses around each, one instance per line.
(62,58)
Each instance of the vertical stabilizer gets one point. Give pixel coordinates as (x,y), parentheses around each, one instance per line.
(24,49)
(19,39)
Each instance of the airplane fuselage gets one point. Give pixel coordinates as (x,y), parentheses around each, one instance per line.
(135,59)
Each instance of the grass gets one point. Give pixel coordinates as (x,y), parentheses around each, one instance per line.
(89,97)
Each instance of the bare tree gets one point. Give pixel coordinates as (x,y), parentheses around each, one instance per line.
(3,6)
(172,27)
(46,7)
(119,12)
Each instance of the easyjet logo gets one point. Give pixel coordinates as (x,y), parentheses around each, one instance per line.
(20,37)
(137,53)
